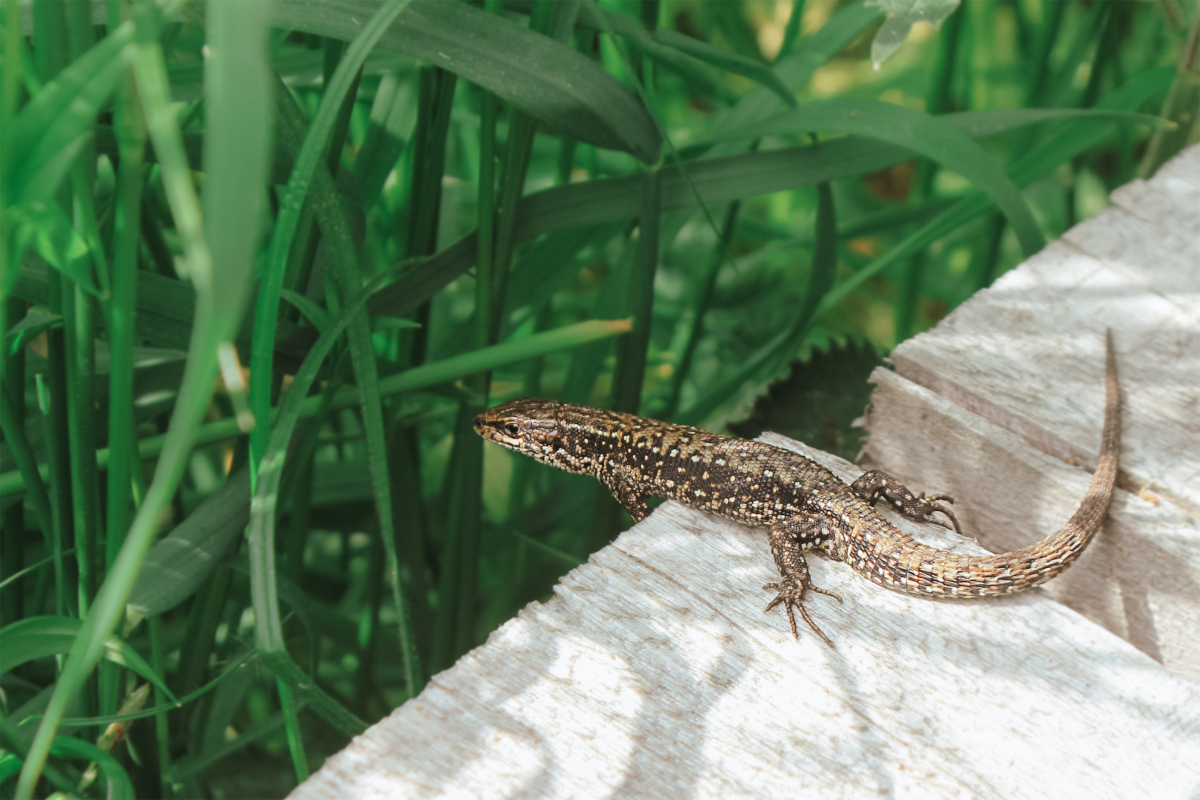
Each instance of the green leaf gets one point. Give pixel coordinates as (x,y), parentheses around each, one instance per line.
(309,153)
(810,54)
(913,130)
(1057,149)
(44,227)
(982,124)
(901,16)
(9,765)
(165,306)
(393,324)
(37,320)
(730,62)
(559,87)
(166,309)
(317,316)
(718,180)
(665,46)
(118,786)
(38,637)
(177,565)
(49,132)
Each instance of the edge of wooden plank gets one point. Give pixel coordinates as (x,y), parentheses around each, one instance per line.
(653,671)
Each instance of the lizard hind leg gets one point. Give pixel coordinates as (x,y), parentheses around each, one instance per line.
(785,540)
(875,484)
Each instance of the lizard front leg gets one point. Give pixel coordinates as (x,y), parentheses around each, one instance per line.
(622,490)
(786,538)
(876,484)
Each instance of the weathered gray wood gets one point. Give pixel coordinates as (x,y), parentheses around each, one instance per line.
(1027,355)
(653,672)
(1138,578)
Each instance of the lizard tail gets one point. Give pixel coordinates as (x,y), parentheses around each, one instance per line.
(911,567)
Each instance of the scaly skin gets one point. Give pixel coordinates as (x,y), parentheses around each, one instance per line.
(803,504)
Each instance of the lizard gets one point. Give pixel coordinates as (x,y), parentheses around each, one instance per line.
(801,503)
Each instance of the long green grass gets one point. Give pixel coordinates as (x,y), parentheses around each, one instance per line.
(263,263)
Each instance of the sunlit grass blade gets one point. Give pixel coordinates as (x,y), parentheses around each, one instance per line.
(328,212)
(269,627)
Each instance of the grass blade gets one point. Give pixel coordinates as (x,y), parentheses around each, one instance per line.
(915,131)
(310,154)
(215,322)
(562,89)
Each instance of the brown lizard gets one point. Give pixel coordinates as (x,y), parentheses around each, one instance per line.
(803,504)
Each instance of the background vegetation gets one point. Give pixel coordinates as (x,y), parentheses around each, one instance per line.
(287,251)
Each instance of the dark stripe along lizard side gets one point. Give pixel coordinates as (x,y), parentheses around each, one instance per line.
(803,504)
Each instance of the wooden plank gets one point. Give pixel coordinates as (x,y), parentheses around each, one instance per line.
(1026,356)
(1139,578)
(653,672)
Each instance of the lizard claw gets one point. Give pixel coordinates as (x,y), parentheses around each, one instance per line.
(933,506)
(791,596)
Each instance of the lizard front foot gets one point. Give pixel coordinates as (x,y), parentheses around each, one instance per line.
(791,596)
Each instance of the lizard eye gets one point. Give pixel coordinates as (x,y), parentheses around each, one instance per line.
(512,429)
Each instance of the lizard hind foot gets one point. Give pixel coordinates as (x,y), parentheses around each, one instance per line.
(791,596)
(934,505)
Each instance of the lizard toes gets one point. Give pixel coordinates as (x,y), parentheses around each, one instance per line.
(933,505)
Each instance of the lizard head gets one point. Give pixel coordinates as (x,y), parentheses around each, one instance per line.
(526,425)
